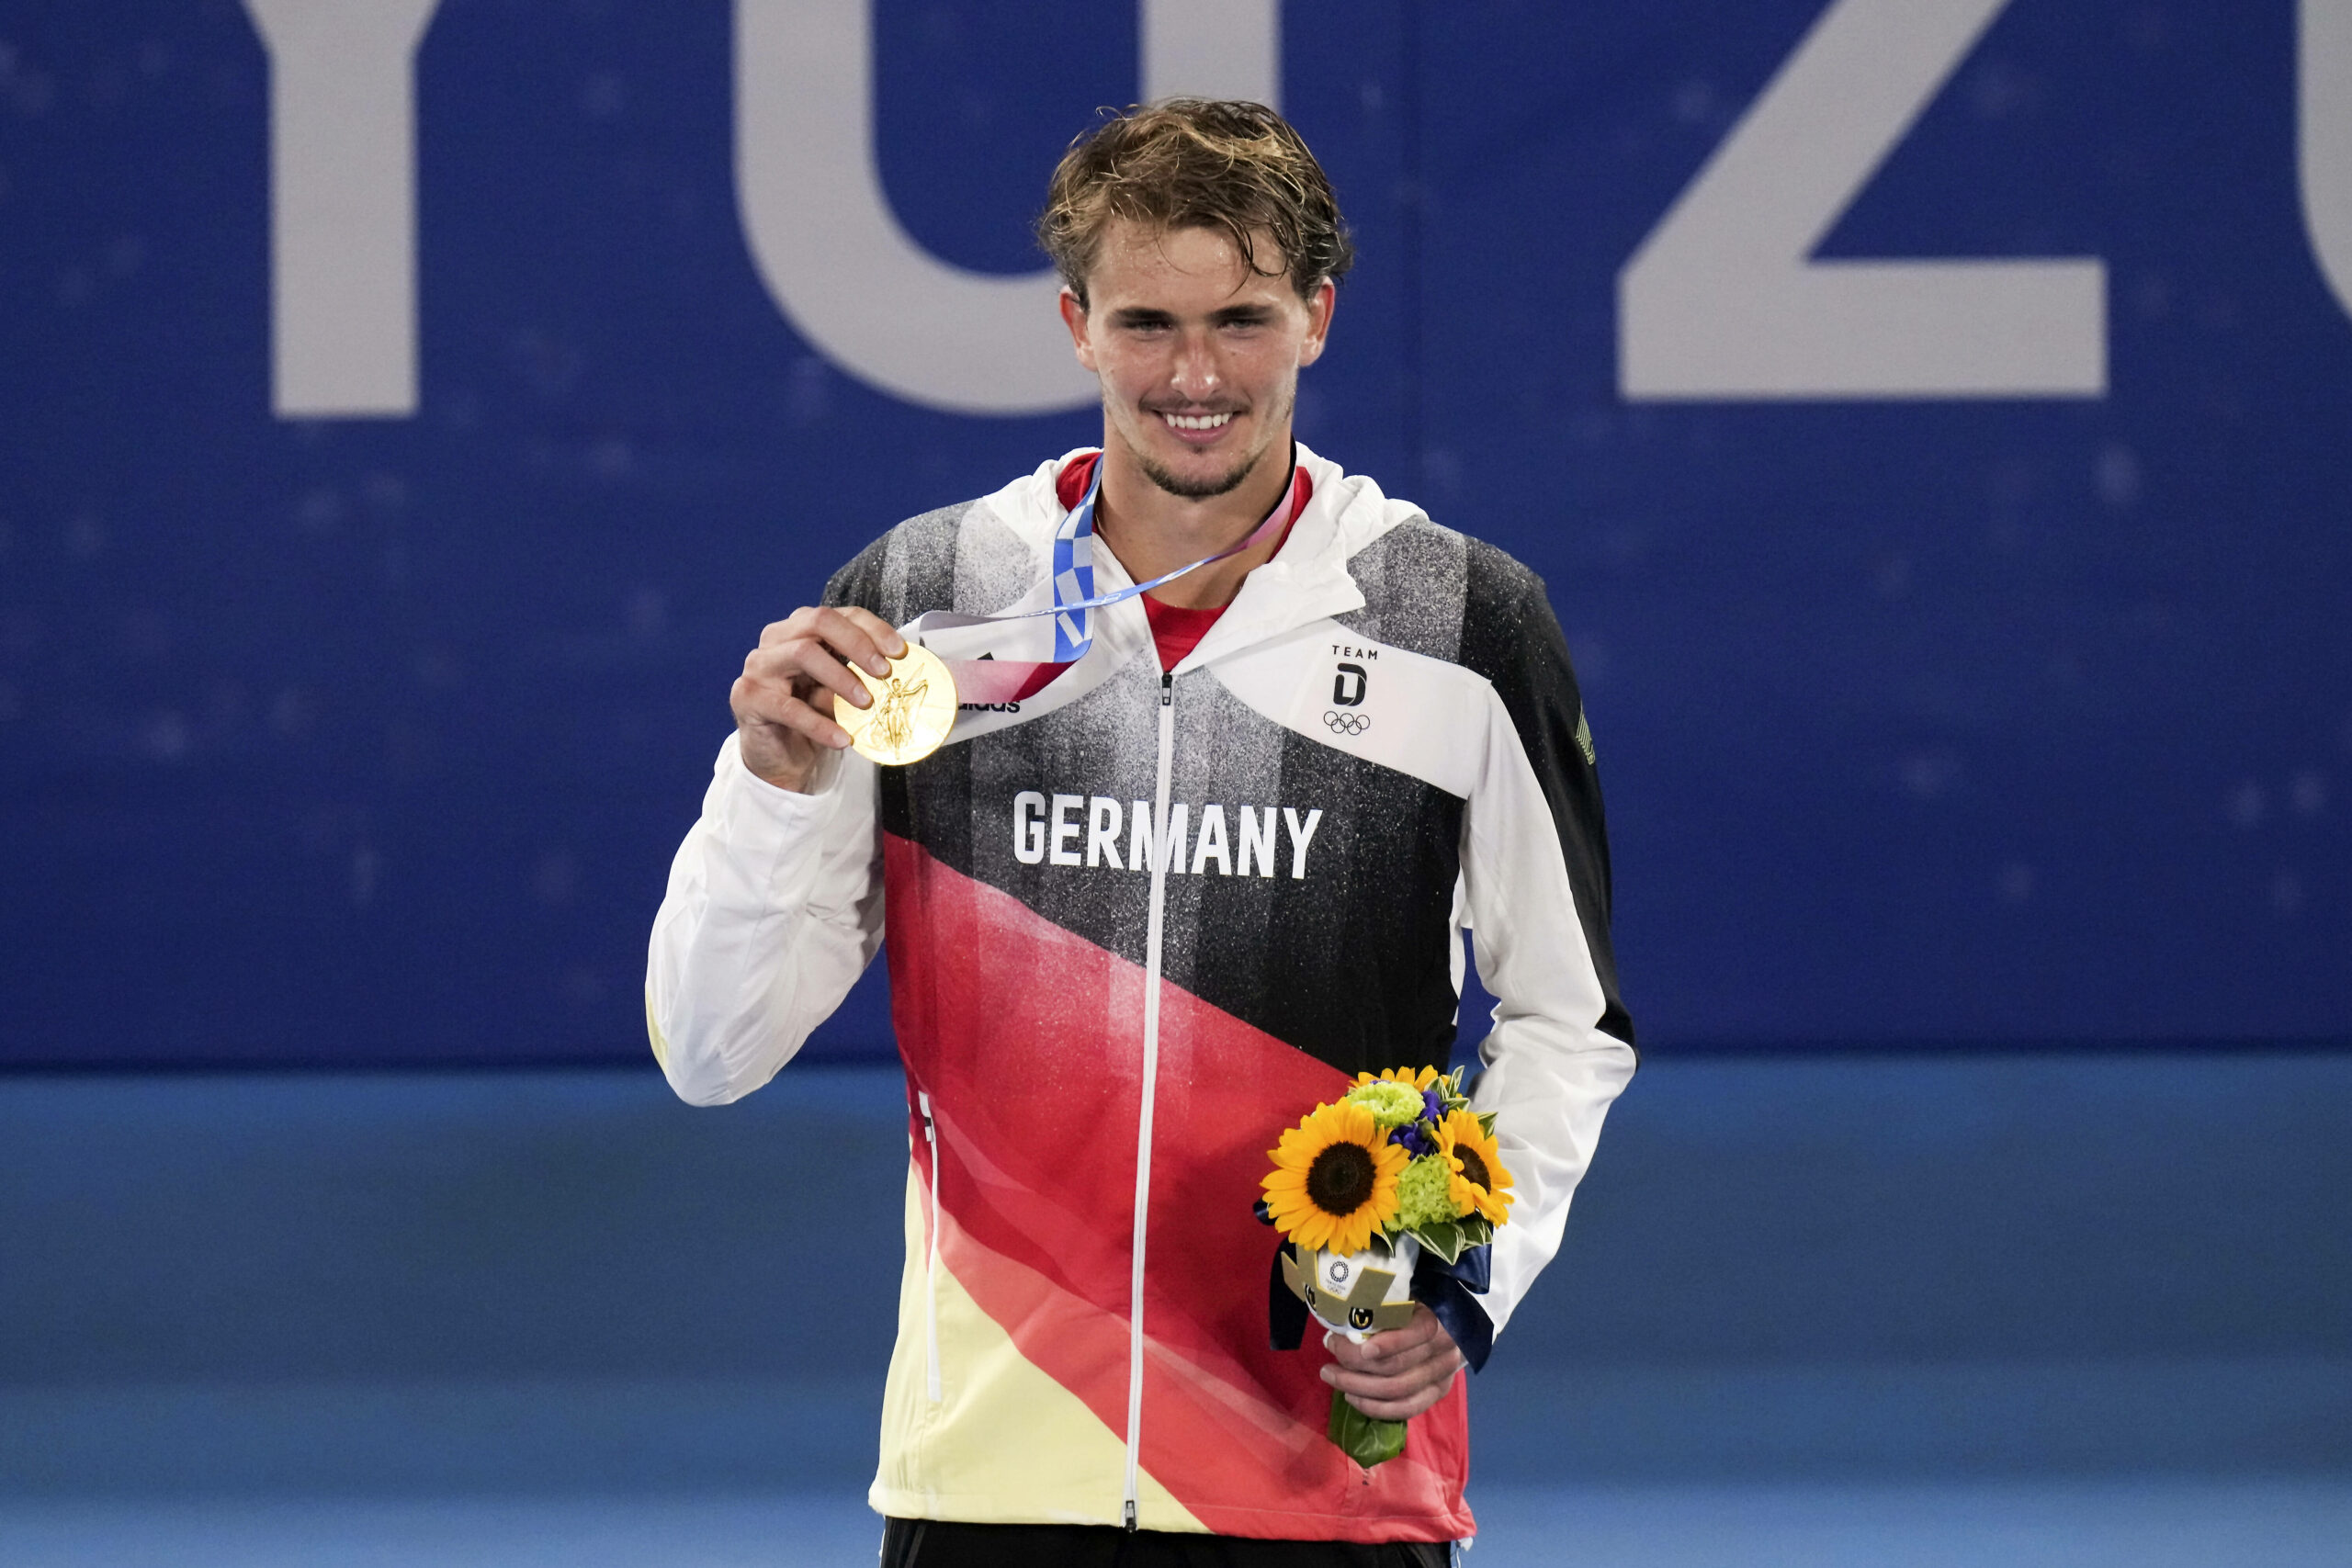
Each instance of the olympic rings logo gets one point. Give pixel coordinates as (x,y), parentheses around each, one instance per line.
(1346,723)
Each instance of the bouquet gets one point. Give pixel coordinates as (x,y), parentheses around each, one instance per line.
(1398,1165)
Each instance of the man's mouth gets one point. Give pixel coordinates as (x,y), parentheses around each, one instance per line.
(1197,422)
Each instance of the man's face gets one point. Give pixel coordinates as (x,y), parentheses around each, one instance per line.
(1198,355)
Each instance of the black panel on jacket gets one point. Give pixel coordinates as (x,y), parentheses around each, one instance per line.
(1352,965)
(1511,637)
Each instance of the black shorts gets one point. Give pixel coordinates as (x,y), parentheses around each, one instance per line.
(934,1543)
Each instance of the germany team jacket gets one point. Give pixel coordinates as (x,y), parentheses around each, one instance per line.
(1138,924)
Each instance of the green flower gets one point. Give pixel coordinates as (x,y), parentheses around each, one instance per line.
(1424,1195)
(1390,1104)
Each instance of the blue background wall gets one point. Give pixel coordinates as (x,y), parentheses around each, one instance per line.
(367,740)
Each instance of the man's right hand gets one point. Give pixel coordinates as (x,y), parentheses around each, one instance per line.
(781,712)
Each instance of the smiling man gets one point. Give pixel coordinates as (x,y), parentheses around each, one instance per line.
(1245,744)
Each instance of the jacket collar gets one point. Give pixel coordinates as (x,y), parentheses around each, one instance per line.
(1307,580)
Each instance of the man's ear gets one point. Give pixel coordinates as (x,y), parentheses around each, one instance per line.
(1074,318)
(1319,306)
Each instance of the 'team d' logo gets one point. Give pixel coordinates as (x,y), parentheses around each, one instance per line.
(1348,686)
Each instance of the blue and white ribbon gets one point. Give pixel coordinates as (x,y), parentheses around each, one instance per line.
(993,679)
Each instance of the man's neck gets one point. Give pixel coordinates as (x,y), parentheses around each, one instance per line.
(1153,532)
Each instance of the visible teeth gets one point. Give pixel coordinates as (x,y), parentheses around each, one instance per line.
(1197,421)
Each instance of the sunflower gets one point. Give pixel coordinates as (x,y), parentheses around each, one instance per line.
(1334,1180)
(1480,1183)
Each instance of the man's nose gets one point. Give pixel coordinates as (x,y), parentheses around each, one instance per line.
(1197,378)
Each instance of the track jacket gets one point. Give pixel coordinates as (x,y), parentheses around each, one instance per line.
(1138,924)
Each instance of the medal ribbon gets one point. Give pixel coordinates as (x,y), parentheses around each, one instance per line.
(992,680)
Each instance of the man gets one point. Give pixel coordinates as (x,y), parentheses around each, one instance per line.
(1172,888)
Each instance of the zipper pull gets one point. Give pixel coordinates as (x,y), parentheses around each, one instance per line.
(1167,697)
(930,1133)
(1131,1515)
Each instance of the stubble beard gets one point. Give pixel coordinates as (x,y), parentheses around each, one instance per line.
(1206,488)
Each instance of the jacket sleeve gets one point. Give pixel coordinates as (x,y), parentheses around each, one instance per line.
(774,908)
(1535,869)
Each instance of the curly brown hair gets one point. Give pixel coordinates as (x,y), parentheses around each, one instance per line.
(1198,162)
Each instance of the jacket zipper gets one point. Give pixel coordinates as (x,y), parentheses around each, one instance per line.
(1159,852)
(931,1264)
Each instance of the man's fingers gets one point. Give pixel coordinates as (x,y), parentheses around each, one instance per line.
(1432,1364)
(1372,1386)
(815,664)
(797,668)
(1392,1398)
(858,636)
(785,700)
(803,719)
(1406,1361)
(884,636)
(855,635)
(1395,1375)
(1386,1374)
(1391,1351)
(772,702)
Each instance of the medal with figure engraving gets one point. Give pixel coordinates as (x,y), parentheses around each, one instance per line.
(915,708)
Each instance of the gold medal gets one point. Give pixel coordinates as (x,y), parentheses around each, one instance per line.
(915,708)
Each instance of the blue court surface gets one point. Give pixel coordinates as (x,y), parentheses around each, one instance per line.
(1996,1308)
(2149,1526)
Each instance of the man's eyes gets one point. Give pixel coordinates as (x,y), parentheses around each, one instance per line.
(1147,327)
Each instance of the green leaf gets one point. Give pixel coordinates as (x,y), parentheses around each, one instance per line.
(1487,1122)
(1360,1436)
(1477,1231)
(1442,1237)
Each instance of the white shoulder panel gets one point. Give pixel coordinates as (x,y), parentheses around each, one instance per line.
(1419,715)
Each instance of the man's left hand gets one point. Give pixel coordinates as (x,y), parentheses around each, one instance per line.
(1396,1374)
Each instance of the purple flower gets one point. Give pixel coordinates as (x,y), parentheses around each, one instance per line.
(1434,1104)
(1414,1139)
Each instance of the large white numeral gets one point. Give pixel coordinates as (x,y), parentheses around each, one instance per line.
(342,203)
(2324,65)
(1723,299)
(834,256)
(1212,48)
